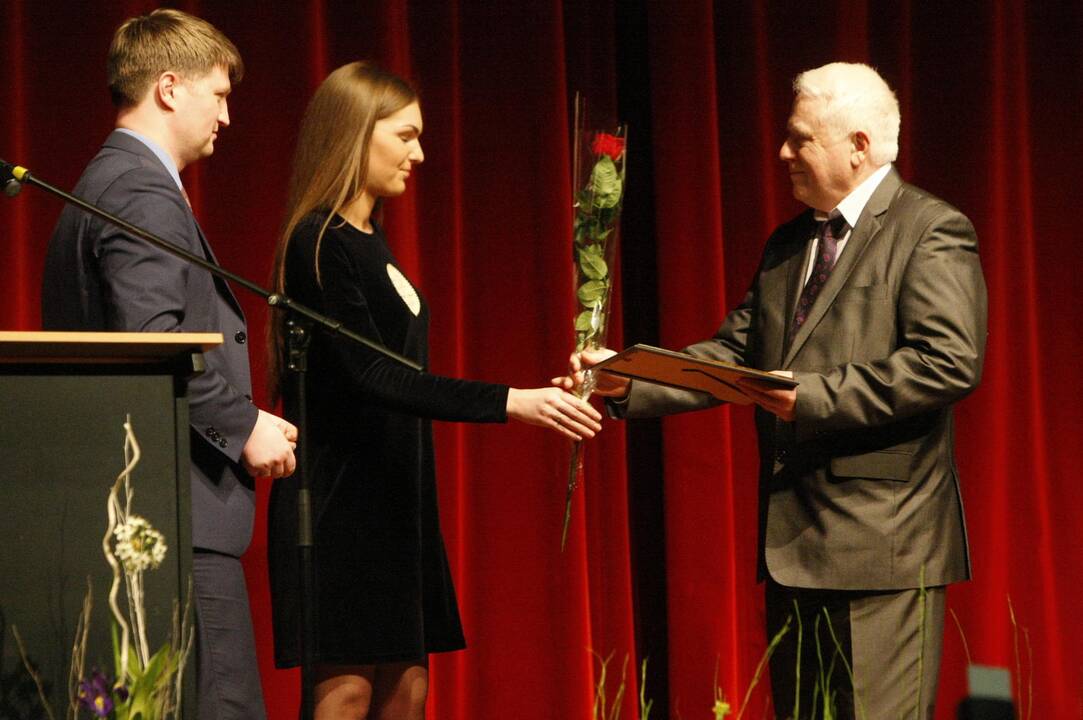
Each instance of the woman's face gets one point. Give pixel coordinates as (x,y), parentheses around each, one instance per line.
(394,150)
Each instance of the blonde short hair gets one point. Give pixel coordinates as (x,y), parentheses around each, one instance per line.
(146,46)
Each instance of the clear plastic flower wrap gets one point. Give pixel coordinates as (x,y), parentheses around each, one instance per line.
(598,162)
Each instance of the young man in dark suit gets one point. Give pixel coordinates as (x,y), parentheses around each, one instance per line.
(873,299)
(170,75)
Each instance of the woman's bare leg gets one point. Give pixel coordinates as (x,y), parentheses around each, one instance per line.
(343,692)
(399,691)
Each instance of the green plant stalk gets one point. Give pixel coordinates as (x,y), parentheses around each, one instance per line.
(153,681)
(962,635)
(771,647)
(858,707)
(618,697)
(823,683)
(1019,665)
(116,515)
(575,462)
(78,651)
(644,704)
(34,674)
(598,712)
(797,670)
(1015,650)
(183,638)
(602,710)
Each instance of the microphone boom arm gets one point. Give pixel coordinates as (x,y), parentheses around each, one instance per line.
(14,176)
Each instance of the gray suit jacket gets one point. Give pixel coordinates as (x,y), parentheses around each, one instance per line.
(861,490)
(98,278)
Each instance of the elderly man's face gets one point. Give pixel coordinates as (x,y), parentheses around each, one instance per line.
(818,158)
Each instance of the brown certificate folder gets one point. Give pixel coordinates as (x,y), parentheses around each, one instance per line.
(679,370)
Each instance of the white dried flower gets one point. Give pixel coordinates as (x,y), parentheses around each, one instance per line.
(139,546)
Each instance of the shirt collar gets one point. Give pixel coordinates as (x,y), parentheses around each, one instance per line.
(854,204)
(159,152)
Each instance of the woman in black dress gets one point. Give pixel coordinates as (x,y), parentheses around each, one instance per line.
(384,594)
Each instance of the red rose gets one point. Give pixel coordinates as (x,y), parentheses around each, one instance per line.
(606,144)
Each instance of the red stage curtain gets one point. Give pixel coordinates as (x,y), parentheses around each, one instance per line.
(661,555)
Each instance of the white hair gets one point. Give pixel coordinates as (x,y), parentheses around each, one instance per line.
(856,98)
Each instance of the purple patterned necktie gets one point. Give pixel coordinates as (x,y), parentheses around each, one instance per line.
(829,234)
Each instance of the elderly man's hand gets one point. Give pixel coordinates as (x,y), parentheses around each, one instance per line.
(606,385)
(781,402)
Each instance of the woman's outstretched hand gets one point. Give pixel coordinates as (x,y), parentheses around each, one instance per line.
(555,409)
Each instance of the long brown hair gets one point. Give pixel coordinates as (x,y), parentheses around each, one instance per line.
(330,167)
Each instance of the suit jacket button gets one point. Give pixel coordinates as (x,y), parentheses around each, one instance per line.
(222,442)
(240,337)
(780,454)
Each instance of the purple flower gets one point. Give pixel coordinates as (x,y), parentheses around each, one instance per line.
(95,694)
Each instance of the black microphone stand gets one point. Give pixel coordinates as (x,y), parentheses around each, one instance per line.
(298,336)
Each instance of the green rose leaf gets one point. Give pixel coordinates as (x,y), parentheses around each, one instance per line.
(605,183)
(584,321)
(592,292)
(593,265)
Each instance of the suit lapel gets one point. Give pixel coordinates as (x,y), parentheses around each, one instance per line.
(780,286)
(868,225)
(223,287)
(126,142)
(795,275)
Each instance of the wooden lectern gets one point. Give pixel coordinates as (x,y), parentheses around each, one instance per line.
(64,398)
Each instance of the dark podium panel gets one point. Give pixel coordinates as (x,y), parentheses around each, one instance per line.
(64,398)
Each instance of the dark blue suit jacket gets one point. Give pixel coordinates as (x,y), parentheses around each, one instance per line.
(98,278)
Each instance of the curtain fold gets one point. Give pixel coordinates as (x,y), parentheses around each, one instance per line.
(989,97)
(707,557)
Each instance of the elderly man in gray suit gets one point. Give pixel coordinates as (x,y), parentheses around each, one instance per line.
(170,74)
(874,301)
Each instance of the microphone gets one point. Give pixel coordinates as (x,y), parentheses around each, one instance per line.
(9,178)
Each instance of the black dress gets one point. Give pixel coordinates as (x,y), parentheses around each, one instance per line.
(383,585)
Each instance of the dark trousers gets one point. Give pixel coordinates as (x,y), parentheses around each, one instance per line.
(867,649)
(226,666)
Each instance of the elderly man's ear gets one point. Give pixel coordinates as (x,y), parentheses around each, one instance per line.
(860,152)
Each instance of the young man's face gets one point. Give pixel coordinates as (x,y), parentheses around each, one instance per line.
(200,111)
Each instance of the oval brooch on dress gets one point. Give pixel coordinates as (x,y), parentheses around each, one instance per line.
(405,289)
